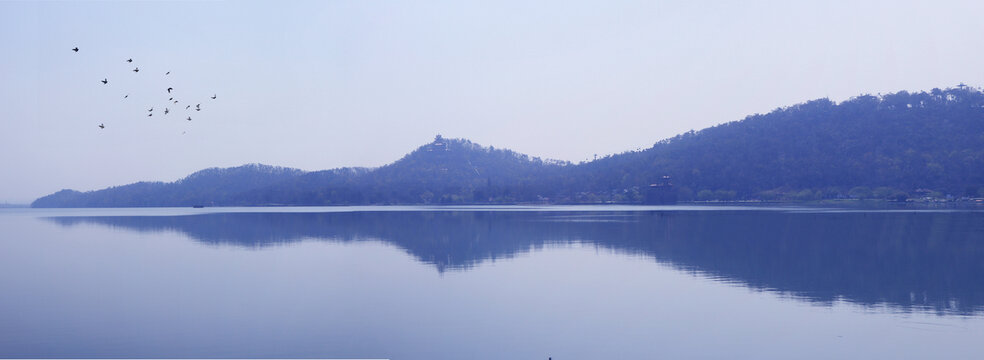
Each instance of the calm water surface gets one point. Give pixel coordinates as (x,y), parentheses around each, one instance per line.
(492,283)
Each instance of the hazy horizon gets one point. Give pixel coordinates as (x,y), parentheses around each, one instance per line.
(320,85)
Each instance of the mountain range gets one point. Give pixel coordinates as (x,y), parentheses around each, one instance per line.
(890,146)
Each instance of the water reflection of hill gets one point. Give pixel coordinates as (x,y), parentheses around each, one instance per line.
(903,259)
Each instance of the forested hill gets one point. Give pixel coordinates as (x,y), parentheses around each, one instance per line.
(902,143)
(214,185)
(445,171)
(891,146)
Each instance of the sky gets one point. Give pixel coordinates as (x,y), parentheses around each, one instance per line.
(326,84)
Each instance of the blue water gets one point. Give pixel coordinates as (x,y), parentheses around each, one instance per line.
(584,282)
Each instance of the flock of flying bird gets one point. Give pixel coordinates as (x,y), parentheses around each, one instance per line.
(150,112)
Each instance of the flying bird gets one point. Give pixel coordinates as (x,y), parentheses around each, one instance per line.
(151,109)
(151,114)
(175,101)
(189,118)
(126,96)
(167,73)
(129,60)
(104,81)
(137,69)
(166,111)
(76,49)
(213,96)
(187,107)
(101,126)
(169,99)
(169,90)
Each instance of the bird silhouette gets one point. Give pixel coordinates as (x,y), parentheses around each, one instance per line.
(104,81)
(189,118)
(169,99)
(126,96)
(169,90)
(129,60)
(151,109)
(198,106)
(187,107)
(166,111)
(167,73)
(175,101)
(76,49)
(136,69)
(213,96)
(101,126)
(151,114)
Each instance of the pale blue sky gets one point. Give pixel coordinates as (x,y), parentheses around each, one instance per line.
(318,85)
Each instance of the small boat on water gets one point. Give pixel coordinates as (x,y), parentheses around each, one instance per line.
(198,206)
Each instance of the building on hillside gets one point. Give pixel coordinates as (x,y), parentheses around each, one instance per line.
(661,192)
(439,144)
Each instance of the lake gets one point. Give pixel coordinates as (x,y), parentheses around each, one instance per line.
(504,282)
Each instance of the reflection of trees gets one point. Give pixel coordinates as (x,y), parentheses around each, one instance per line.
(933,260)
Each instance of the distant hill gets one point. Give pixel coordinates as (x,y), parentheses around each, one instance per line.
(205,187)
(891,147)
(902,144)
(447,171)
